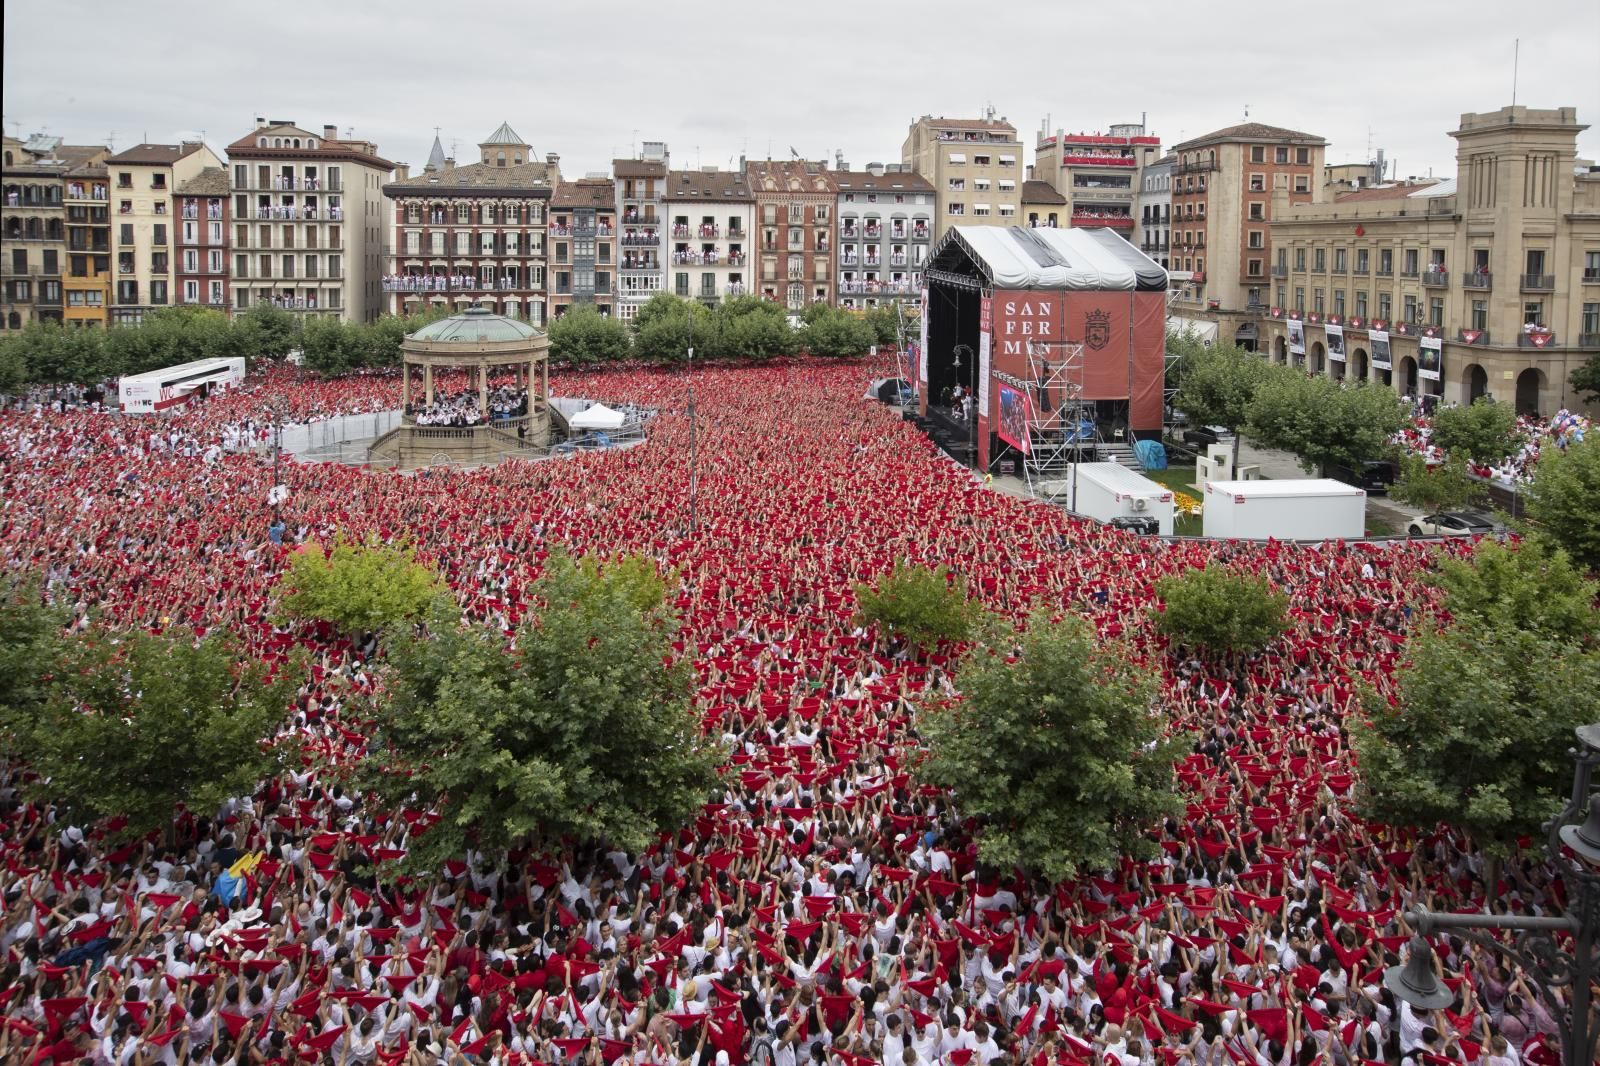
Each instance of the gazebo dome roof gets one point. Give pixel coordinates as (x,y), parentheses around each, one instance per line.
(475,325)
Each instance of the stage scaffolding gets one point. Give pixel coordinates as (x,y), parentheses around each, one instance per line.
(1062,429)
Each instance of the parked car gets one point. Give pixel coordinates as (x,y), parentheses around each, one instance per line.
(1450,524)
(1201,437)
(1375,476)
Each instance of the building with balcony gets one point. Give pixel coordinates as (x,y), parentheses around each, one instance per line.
(711,225)
(1154,235)
(86,287)
(1099,174)
(641,226)
(202,264)
(33,226)
(1498,270)
(473,234)
(310,226)
(795,203)
(1223,186)
(975,166)
(144,180)
(885,228)
(583,245)
(1042,206)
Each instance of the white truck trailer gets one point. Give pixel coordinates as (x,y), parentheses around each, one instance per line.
(1106,491)
(1299,509)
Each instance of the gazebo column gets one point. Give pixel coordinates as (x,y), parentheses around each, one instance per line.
(483,392)
(530,376)
(427,382)
(405,386)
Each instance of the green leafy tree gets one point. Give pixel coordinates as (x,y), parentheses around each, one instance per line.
(667,325)
(1585,380)
(1529,585)
(922,604)
(586,730)
(32,646)
(1218,383)
(1483,432)
(836,334)
(1478,737)
(177,722)
(1444,487)
(885,325)
(358,587)
(1220,610)
(271,332)
(748,327)
(1054,747)
(1322,421)
(332,347)
(1564,499)
(583,336)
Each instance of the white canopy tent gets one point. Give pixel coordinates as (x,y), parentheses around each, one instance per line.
(598,417)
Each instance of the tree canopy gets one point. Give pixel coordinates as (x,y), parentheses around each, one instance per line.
(1562,501)
(836,333)
(1482,432)
(1443,487)
(358,587)
(583,336)
(1054,748)
(585,729)
(922,604)
(1585,379)
(1217,384)
(1219,610)
(1324,422)
(32,645)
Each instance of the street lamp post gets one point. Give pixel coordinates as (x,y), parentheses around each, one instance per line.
(693,524)
(1538,947)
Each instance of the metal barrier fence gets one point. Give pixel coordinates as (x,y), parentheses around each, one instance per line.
(331,433)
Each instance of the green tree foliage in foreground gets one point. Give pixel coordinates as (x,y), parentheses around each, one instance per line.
(1445,487)
(835,333)
(921,604)
(585,729)
(1585,379)
(1219,610)
(1323,421)
(583,336)
(32,646)
(1564,499)
(1478,735)
(139,723)
(1482,432)
(1054,748)
(359,587)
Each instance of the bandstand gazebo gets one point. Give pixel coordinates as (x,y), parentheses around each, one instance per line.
(442,425)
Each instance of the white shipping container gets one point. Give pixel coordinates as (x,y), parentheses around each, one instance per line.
(1300,509)
(1110,490)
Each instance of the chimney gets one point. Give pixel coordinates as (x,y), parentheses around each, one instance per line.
(261,122)
(449,162)
(402,171)
(553,158)
(330,133)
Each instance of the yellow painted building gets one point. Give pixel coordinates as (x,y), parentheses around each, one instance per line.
(86,281)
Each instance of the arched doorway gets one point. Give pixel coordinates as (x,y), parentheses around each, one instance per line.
(1476,381)
(1280,350)
(1318,357)
(1358,364)
(1408,376)
(1529,384)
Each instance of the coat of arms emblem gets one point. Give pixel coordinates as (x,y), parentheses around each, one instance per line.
(1097,329)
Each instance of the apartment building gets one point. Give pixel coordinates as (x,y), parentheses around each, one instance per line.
(309,221)
(583,245)
(33,237)
(1042,206)
(795,202)
(86,286)
(1223,186)
(1099,174)
(1155,209)
(640,223)
(202,267)
(975,166)
(885,228)
(144,182)
(1484,284)
(711,215)
(472,234)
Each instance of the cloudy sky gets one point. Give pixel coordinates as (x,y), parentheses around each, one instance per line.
(716,79)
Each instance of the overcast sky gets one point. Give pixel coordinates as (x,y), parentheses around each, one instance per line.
(715,79)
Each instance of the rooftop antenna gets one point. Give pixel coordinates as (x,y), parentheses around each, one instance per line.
(111,140)
(633,145)
(1247,112)
(1516,59)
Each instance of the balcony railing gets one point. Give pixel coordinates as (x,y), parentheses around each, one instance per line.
(1479,338)
(1538,283)
(1589,340)
(709,232)
(684,232)
(1087,220)
(1084,159)
(921,233)
(873,233)
(1478,279)
(307,214)
(636,219)
(1591,277)
(736,233)
(451,283)
(878,288)
(1536,340)
(639,267)
(849,233)
(641,240)
(1411,272)
(1279,270)
(736,259)
(1197,167)
(1438,279)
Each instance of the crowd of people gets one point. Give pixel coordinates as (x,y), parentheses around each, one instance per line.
(827,904)
(465,407)
(1531,436)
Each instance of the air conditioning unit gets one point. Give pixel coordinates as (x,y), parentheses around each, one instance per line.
(1141,504)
